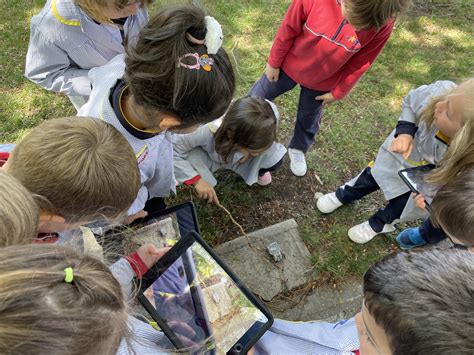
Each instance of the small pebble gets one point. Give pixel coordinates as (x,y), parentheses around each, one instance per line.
(318,195)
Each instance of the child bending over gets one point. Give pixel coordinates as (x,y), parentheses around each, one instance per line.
(83,170)
(435,119)
(242,141)
(55,301)
(69,37)
(325,46)
(175,78)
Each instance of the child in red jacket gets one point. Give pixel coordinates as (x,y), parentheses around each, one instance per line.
(324,46)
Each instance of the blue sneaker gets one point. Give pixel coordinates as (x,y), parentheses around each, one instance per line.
(410,238)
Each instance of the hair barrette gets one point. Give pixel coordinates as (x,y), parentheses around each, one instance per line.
(203,61)
(69,275)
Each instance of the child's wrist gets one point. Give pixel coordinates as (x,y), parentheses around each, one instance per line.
(405,127)
(137,264)
(192,181)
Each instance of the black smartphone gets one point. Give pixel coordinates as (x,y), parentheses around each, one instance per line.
(199,303)
(415,180)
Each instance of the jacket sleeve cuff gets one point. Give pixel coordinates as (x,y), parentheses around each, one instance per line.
(192,181)
(339,94)
(137,264)
(405,127)
(274,63)
(3,158)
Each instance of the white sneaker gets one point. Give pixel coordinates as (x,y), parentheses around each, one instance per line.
(297,162)
(328,203)
(362,233)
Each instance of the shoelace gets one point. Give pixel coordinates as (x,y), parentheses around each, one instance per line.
(298,157)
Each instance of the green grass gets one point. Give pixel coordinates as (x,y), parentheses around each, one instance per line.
(434,41)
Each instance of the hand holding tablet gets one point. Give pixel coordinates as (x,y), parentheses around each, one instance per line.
(197,301)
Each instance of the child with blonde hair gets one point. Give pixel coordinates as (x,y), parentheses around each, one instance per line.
(242,141)
(69,37)
(82,169)
(436,119)
(56,301)
(325,47)
(175,78)
(19,213)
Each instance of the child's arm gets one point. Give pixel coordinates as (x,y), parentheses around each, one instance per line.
(291,27)
(50,67)
(412,106)
(361,62)
(135,265)
(183,144)
(187,173)
(406,126)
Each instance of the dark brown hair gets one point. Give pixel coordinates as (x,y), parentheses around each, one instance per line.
(43,314)
(83,167)
(249,123)
(452,208)
(160,86)
(368,14)
(423,300)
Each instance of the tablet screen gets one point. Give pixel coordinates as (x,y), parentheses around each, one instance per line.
(416,178)
(164,228)
(202,305)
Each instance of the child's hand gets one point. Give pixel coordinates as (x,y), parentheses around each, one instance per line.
(403,144)
(133,217)
(206,191)
(327,98)
(272,73)
(419,201)
(246,156)
(150,254)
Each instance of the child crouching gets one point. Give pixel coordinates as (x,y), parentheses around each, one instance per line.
(242,141)
(435,119)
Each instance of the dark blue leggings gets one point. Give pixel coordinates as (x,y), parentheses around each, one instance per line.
(366,184)
(430,233)
(309,112)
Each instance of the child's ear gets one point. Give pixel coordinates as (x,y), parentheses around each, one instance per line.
(168,122)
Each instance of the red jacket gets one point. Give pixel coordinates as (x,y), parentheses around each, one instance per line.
(318,49)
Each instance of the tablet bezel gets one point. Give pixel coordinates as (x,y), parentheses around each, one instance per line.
(156,215)
(425,168)
(248,339)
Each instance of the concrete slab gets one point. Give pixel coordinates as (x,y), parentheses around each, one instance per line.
(324,303)
(254,265)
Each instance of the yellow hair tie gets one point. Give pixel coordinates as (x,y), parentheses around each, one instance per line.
(69,274)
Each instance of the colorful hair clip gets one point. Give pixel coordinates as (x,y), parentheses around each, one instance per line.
(203,61)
